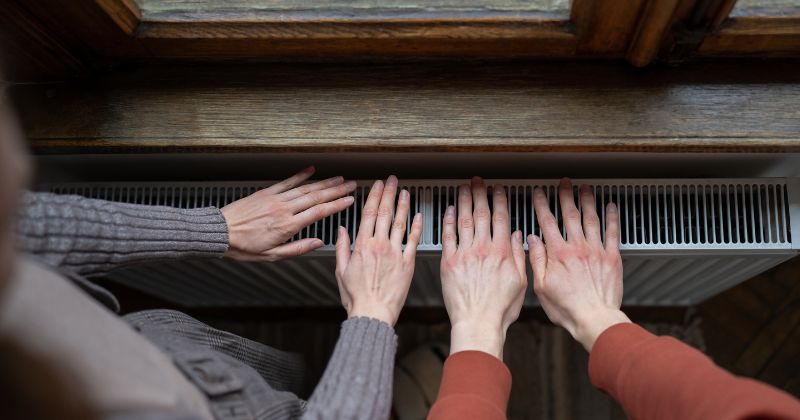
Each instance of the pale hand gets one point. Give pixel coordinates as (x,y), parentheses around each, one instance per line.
(260,224)
(482,269)
(579,280)
(374,279)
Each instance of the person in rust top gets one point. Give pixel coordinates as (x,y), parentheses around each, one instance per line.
(579,284)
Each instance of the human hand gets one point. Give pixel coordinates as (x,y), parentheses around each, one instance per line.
(260,224)
(578,281)
(374,279)
(483,270)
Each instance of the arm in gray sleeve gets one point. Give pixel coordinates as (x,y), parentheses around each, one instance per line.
(90,236)
(357,383)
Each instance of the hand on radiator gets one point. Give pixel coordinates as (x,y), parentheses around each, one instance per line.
(578,280)
(374,279)
(483,270)
(260,224)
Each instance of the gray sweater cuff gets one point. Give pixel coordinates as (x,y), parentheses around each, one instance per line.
(357,383)
(94,236)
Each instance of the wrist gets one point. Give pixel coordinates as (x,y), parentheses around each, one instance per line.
(486,337)
(589,328)
(372,311)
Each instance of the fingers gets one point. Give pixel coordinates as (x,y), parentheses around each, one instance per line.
(294,249)
(480,212)
(410,253)
(466,227)
(321,211)
(319,196)
(519,252)
(342,249)
(386,208)
(501,227)
(291,182)
(591,223)
(370,211)
(572,219)
(449,241)
(547,222)
(399,225)
(538,256)
(612,228)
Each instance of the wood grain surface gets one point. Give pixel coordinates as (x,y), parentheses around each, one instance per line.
(456,107)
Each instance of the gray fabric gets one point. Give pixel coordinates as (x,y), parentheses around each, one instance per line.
(92,237)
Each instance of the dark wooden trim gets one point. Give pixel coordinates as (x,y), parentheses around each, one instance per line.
(125,13)
(605,27)
(651,30)
(754,36)
(485,37)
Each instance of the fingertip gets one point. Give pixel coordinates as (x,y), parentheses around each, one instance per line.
(349,200)
(391,181)
(310,169)
(450,211)
(611,208)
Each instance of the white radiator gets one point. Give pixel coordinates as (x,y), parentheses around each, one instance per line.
(682,240)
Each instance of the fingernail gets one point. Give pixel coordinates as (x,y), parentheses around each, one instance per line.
(498,189)
(318,243)
(404,195)
(532,239)
(451,211)
(377,184)
(350,185)
(476,179)
(418,216)
(611,208)
(565,181)
(392,181)
(309,169)
(349,199)
(464,190)
(538,192)
(517,236)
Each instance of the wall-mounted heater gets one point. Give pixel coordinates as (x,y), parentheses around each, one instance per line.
(683,240)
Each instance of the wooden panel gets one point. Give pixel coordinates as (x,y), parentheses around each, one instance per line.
(651,31)
(460,107)
(754,329)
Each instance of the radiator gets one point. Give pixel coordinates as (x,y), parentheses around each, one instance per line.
(682,240)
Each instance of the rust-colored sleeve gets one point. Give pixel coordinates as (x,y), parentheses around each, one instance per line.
(656,378)
(475,386)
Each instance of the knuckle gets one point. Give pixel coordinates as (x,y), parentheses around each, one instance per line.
(465,223)
(592,221)
(399,225)
(482,214)
(369,211)
(572,217)
(501,217)
(449,237)
(384,211)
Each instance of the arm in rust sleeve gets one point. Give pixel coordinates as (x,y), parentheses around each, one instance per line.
(475,385)
(656,377)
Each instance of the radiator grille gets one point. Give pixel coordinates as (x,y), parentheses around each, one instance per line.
(654,214)
(682,240)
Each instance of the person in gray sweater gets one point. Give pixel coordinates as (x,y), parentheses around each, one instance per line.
(163,364)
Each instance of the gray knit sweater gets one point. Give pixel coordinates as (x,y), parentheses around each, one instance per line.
(90,237)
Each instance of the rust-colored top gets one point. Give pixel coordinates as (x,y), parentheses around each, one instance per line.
(652,378)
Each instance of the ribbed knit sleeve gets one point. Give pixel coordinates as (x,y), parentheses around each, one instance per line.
(357,384)
(91,236)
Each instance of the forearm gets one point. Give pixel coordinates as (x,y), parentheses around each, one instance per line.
(357,383)
(475,385)
(661,378)
(94,236)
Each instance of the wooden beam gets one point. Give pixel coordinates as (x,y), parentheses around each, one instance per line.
(755,36)
(605,27)
(557,107)
(347,37)
(125,13)
(651,31)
